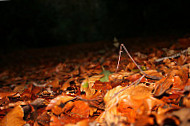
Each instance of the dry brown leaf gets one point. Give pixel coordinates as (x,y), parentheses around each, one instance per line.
(131,66)
(84,122)
(162,86)
(153,73)
(144,120)
(58,100)
(118,77)
(186,101)
(55,121)
(20,88)
(63,120)
(42,119)
(184,116)
(67,84)
(54,83)
(88,83)
(81,109)
(167,120)
(6,94)
(92,110)
(14,117)
(129,103)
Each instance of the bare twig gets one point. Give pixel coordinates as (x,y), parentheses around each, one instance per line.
(133,83)
(120,51)
(39,85)
(173,56)
(149,76)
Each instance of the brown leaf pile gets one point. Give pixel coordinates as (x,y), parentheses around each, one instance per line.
(72,92)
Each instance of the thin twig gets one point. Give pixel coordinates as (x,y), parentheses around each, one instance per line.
(149,76)
(172,56)
(39,85)
(120,51)
(133,83)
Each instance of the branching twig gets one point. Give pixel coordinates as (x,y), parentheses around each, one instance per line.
(149,76)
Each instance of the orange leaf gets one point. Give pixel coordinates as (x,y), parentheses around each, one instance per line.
(5,94)
(162,86)
(42,119)
(14,117)
(55,121)
(135,77)
(54,83)
(81,110)
(67,84)
(130,102)
(58,100)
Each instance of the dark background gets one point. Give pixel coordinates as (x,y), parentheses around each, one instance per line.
(45,23)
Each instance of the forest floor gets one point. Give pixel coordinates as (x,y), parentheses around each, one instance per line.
(80,84)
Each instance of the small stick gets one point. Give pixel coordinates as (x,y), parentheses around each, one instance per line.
(173,56)
(120,51)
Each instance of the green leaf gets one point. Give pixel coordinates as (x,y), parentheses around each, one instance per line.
(143,68)
(85,85)
(106,73)
(137,70)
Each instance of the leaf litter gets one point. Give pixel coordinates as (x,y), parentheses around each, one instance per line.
(151,88)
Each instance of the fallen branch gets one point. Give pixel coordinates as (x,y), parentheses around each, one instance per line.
(174,56)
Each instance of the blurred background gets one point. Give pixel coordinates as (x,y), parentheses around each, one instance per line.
(28,24)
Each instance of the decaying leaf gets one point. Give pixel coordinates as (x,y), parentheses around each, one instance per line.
(183,115)
(77,111)
(133,101)
(14,117)
(5,94)
(152,87)
(54,83)
(81,109)
(58,100)
(43,119)
(84,122)
(162,86)
(88,83)
(176,81)
(66,84)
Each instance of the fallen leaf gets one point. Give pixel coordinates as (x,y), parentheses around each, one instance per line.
(88,83)
(14,117)
(54,83)
(106,73)
(81,109)
(184,116)
(58,100)
(43,119)
(66,84)
(162,86)
(130,102)
(6,94)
